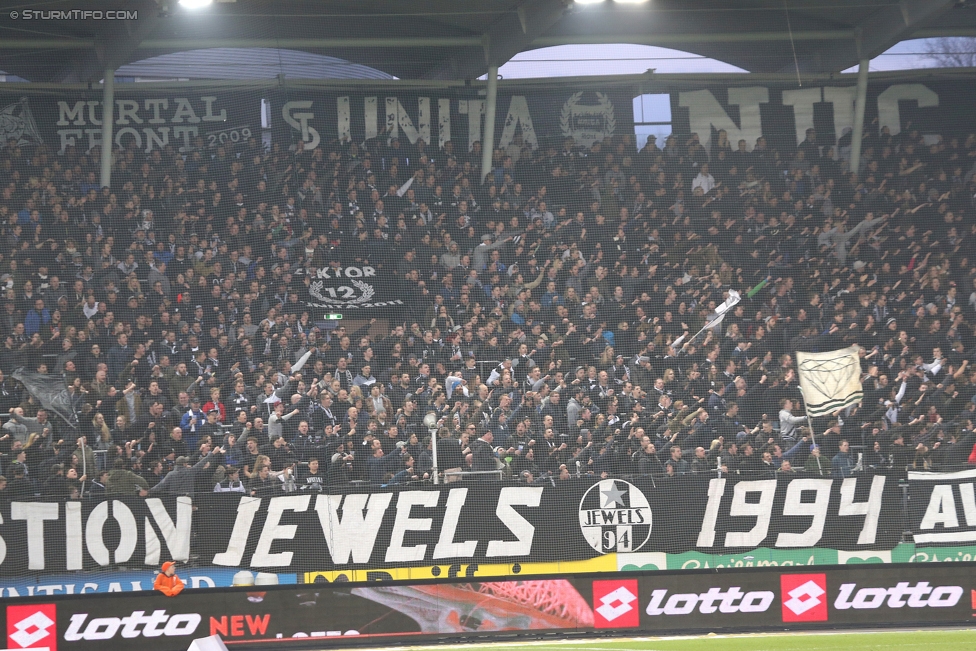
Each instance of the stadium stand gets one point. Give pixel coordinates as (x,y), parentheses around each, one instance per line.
(550,321)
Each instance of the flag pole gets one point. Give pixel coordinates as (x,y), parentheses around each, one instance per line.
(806,411)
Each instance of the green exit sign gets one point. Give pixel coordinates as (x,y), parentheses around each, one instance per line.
(333,317)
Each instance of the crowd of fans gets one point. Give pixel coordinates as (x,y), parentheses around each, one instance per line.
(550,319)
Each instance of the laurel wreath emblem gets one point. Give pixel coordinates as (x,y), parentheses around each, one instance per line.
(366,293)
(603,101)
(366,289)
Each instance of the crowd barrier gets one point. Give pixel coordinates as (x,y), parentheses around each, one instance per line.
(307,616)
(487,529)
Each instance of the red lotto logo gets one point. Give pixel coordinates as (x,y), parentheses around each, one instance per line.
(614,604)
(32,627)
(804,597)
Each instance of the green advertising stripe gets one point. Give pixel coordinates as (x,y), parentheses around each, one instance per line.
(765,557)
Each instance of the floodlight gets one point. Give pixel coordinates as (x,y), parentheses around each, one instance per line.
(195,4)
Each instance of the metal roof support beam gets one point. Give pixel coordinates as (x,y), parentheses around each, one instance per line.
(470,41)
(311,43)
(860,100)
(108,123)
(514,32)
(884,28)
(674,39)
(488,142)
(285,43)
(113,47)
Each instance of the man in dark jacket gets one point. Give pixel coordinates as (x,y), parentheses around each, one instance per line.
(484,455)
(181,479)
(449,452)
(20,487)
(122,481)
(379,465)
(676,465)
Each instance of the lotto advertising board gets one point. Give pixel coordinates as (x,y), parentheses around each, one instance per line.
(342,614)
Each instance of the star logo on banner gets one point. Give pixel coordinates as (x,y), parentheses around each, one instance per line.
(614,497)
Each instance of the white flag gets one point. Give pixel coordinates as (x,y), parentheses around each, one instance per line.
(830,381)
(406,186)
(726,305)
(714,323)
(720,312)
(301,362)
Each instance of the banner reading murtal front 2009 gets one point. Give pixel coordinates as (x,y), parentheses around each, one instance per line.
(574,522)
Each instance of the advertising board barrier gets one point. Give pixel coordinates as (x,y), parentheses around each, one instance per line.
(131,581)
(348,613)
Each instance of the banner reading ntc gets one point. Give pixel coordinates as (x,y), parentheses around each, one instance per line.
(484,523)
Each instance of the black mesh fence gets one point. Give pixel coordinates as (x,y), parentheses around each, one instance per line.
(301,332)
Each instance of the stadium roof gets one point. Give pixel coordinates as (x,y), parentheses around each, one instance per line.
(449,39)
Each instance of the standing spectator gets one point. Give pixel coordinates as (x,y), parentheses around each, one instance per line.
(842,465)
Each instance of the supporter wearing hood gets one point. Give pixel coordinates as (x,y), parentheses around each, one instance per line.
(167,582)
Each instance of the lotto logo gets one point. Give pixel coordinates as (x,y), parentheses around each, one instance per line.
(613,604)
(804,597)
(32,627)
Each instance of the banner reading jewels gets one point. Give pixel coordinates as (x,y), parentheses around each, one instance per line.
(385,531)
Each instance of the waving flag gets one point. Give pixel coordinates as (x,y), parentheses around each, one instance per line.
(720,312)
(830,381)
(51,391)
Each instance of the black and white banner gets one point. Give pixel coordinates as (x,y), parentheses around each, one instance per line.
(149,120)
(457,116)
(481,523)
(495,523)
(152,119)
(355,287)
(942,507)
(747,110)
(47,536)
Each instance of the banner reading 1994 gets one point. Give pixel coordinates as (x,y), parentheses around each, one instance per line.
(484,524)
